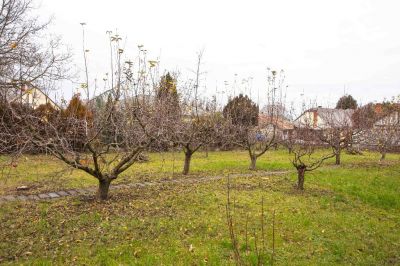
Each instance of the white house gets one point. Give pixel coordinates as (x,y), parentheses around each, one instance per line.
(392,119)
(34,97)
(325,118)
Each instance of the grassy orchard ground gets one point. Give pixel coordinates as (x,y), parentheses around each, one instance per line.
(36,171)
(347,215)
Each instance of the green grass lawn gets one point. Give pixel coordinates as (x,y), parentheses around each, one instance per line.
(347,215)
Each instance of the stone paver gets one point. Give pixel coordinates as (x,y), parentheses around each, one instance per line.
(82,191)
(44,196)
(91,190)
(72,192)
(53,195)
(22,197)
(62,193)
(9,198)
(33,197)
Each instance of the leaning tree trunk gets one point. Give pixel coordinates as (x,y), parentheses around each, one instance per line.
(300,178)
(253,162)
(104,186)
(186,167)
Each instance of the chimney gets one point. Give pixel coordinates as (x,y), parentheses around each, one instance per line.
(378,108)
(315,118)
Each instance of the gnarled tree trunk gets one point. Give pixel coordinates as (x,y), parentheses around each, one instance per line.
(186,167)
(383,155)
(300,177)
(337,156)
(253,162)
(104,185)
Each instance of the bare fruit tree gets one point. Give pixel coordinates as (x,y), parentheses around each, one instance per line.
(306,151)
(378,126)
(304,159)
(104,136)
(335,129)
(243,114)
(384,134)
(199,124)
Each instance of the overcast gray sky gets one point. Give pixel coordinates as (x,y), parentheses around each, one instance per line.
(325,47)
